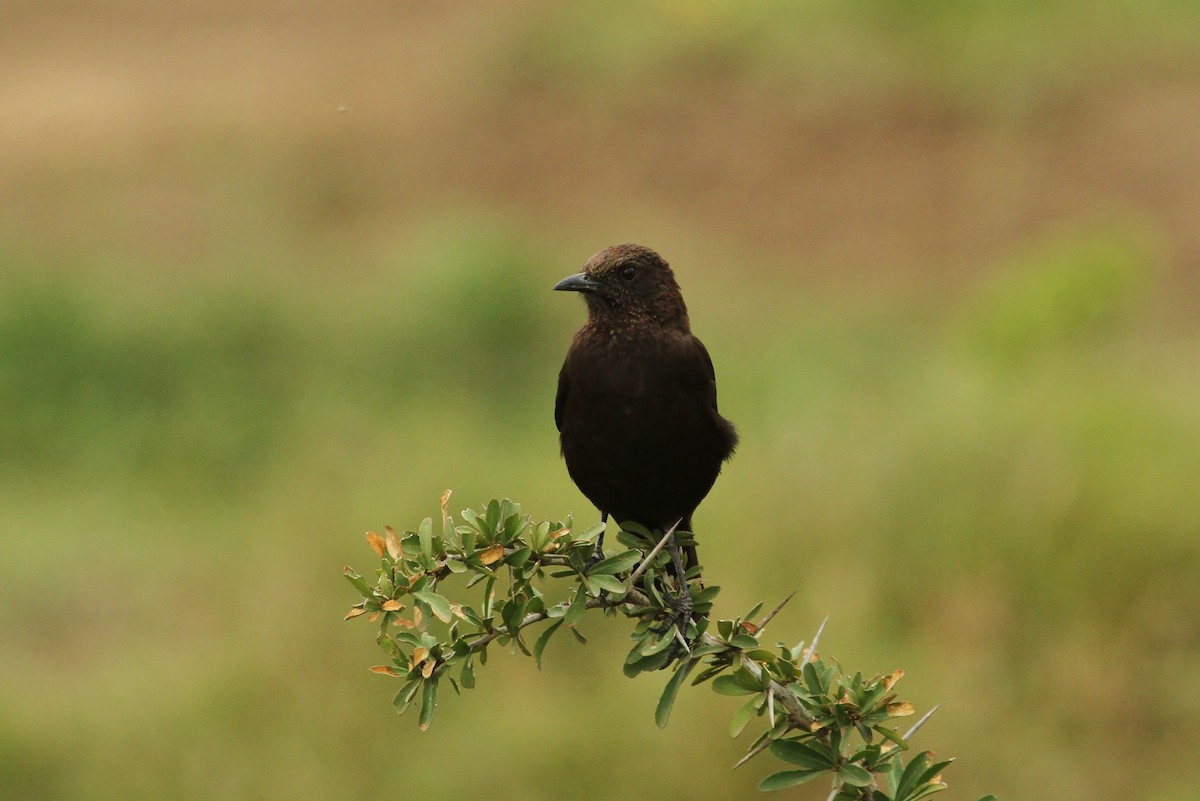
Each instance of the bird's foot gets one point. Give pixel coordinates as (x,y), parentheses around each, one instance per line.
(598,552)
(681,607)
(679,623)
(596,557)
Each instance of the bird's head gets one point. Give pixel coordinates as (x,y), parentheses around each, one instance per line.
(626,284)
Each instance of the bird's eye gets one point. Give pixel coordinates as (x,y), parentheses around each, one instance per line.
(628,272)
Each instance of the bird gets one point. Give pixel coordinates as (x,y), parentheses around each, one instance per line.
(636,407)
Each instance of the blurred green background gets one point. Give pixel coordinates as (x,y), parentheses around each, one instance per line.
(273,274)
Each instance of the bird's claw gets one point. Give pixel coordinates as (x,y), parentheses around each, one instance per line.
(680,618)
(596,558)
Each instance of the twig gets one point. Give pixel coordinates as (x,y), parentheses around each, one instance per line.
(537,617)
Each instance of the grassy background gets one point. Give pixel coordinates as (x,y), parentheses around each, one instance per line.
(270,277)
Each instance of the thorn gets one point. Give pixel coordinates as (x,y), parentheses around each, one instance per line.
(637,574)
(921,722)
(763,624)
(812,649)
(771,705)
(683,641)
(754,752)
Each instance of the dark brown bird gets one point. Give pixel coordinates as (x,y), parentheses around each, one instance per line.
(637,396)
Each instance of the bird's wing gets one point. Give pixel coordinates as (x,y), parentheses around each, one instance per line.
(712,374)
(560,399)
(729,433)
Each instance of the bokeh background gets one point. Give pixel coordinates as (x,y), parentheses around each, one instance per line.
(273,274)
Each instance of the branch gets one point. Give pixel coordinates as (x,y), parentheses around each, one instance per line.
(818,718)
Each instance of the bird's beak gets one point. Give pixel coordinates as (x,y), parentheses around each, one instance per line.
(580,282)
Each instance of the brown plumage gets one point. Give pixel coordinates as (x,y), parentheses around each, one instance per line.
(637,396)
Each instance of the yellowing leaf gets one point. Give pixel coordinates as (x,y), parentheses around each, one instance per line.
(900,709)
(374,616)
(889,681)
(377,544)
(420,654)
(391,605)
(405,623)
(385,670)
(492,554)
(559,532)
(746,625)
(392,541)
(418,616)
(427,668)
(446,505)
(355,612)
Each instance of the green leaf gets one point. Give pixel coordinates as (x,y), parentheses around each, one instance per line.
(617,563)
(428,705)
(404,698)
(476,522)
(518,557)
(728,685)
(760,655)
(492,519)
(909,779)
(542,641)
(743,641)
(638,530)
(468,675)
(610,584)
(854,775)
(489,597)
(592,532)
(802,754)
(437,604)
(893,735)
(513,614)
(926,790)
(577,608)
(812,679)
(787,778)
(358,582)
(744,714)
(540,535)
(707,674)
(750,681)
(652,646)
(425,533)
(514,523)
(705,650)
(933,770)
(662,712)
